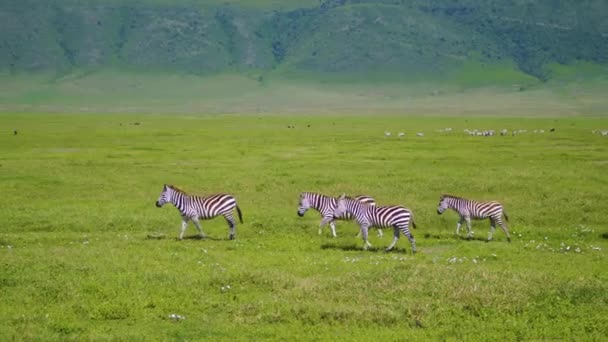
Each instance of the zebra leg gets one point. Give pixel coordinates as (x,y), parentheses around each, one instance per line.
(492,229)
(410,237)
(505,229)
(395,238)
(458,225)
(197,224)
(324,221)
(332,225)
(231,225)
(184,225)
(366,244)
(469,232)
(380,234)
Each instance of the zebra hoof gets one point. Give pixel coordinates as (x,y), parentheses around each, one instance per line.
(231,237)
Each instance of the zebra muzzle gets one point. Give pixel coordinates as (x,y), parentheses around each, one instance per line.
(300,214)
(158,205)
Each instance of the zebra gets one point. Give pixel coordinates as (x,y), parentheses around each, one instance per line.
(468,209)
(325,205)
(368,216)
(192,208)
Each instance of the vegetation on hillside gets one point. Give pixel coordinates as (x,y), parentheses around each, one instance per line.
(406,39)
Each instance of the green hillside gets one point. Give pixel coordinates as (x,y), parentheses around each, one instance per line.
(414,38)
(446,44)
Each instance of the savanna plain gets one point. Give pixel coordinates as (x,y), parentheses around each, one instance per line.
(86,255)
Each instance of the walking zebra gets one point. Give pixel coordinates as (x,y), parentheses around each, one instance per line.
(192,208)
(368,216)
(326,205)
(468,209)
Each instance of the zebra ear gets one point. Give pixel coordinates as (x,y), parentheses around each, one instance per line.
(165,186)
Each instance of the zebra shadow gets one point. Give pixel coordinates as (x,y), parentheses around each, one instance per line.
(211,238)
(470,238)
(359,248)
(188,237)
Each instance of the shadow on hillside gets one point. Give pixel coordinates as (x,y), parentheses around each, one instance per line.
(354,247)
(604,235)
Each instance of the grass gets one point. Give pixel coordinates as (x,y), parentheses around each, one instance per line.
(122,91)
(86,255)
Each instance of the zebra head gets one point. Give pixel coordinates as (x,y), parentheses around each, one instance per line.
(340,209)
(165,196)
(304,204)
(443,204)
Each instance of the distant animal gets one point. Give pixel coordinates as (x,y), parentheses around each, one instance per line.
(388,134)
(137,123)
(326,205)
(552,130)
(401,134)
(194,208)
(604,133)
(420,134)
(469,209)
(503,132)
(368,216)
(15,132)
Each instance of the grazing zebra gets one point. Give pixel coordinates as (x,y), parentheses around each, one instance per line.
(468,209)
(368,216)
(325,205)
(192,208)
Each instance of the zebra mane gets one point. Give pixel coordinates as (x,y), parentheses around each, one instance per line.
(450,196)
(174,188)
(352,199)
(313,193)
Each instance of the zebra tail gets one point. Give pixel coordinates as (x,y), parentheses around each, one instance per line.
(413,224)
(505,213)
(238,210)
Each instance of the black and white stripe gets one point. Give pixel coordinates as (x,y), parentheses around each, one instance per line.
(468,209)
(194,208)
(368,216)
(326,206)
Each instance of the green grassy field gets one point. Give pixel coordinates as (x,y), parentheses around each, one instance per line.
(83,256)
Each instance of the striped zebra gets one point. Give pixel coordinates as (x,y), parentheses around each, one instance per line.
(368,216)
(468,209)
(192,208)
(326,205)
